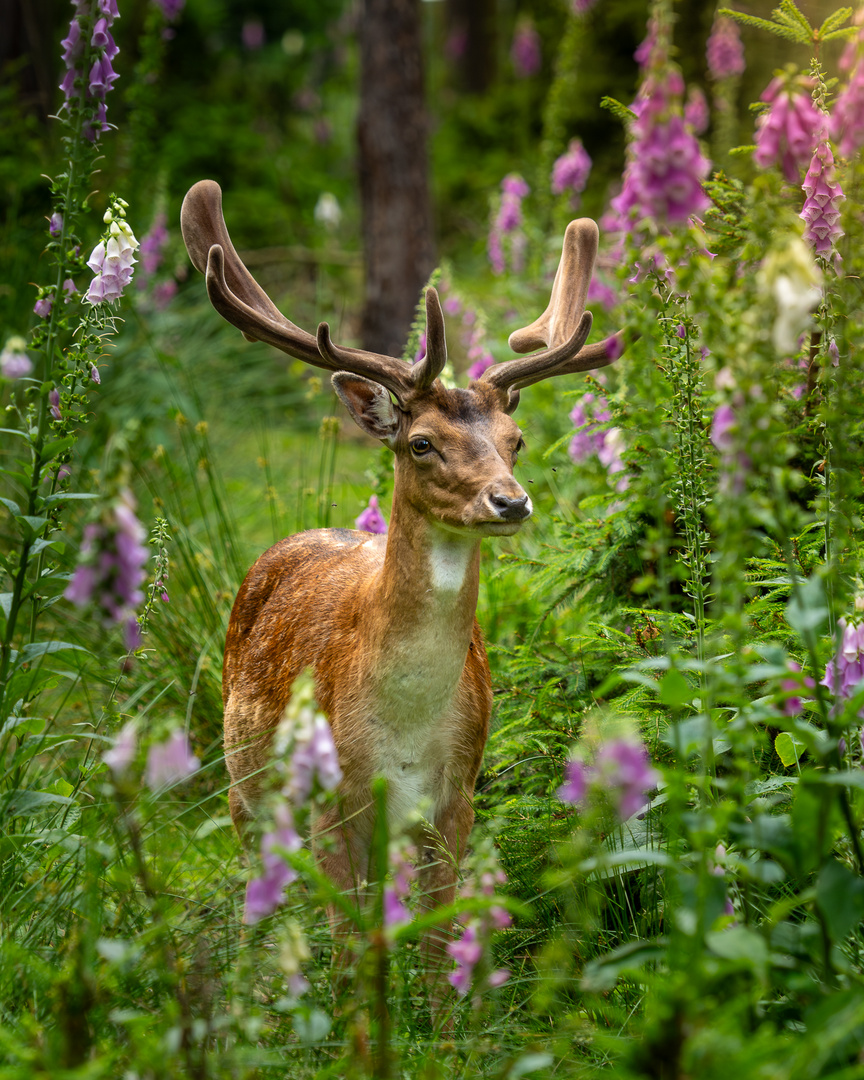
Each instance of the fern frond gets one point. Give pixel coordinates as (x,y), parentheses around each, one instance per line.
(619,111)
(765,24)
(834,21)
(788,12)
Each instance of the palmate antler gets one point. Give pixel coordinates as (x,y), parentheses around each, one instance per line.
(563,328)
(240,300)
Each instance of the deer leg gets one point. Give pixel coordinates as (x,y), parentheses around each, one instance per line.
(439,871)
(343,855)
(239,815)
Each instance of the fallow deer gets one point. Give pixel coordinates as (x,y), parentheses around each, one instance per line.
(387,624)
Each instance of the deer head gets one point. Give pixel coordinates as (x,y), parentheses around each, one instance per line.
(406,406)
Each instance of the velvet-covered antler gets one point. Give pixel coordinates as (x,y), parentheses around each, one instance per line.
(240,300)
(563,327)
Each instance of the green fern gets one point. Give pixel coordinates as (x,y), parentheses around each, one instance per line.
(789,23)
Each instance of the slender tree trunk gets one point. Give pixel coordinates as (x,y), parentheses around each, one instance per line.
(393,163)
(471,26)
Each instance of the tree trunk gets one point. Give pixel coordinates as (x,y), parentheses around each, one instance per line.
(471,27)
(394,185)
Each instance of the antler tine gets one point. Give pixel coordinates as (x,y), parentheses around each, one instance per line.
(427,370)
(564,325)
(400,378)
(233,291)
(240,300)
(395,374)
(569,290)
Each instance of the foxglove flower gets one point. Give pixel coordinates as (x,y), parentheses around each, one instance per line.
(525,50)
(570,171)
(112,261)
(582,7)
(170,762)
(610,455)
(170,8)
(265,893)
(624,768)
(792,687)
(574,790)
(14,361)
(91,87)
(396,893)
(788,132)
(600,292)
(483,362)
(54,403)
(122,752)
(314,758)
(371,519)
(252,34)
(467,952)
(55,225)
(590,438)
(822,206)
(328,212)
(506,226)
(665,167)
(792,279)
(846,669)
(847,119)
(43,306)
(111,567)
(696,110)
(722,426)
(621,772)
(152,247)
(724,51)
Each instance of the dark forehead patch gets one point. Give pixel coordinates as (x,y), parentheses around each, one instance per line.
(461,405)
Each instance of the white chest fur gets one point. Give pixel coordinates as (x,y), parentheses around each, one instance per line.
(421,676)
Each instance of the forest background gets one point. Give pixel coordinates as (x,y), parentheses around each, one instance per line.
(685,585)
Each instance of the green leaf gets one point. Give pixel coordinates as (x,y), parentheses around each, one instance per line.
(312,1027)
(739,943)
(42,648)
(10,505)
(15,431)
(6,603)
(57,446)
(58,544)
(840,896)
(675,690)
(530,1063)
(31,524)
(602,974)
(21,803)
(788,748)
(807,610)
(64,496)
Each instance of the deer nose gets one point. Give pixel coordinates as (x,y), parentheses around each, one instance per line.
(511,509)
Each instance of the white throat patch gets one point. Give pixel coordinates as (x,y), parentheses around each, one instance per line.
(449,560)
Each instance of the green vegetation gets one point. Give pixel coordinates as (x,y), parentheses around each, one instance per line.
(691,581)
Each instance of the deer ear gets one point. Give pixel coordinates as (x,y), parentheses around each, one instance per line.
(369,404)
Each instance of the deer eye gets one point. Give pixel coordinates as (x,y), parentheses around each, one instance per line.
(420,446)
(519,446)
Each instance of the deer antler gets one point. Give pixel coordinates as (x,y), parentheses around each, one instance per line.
(563,327)
(240,300)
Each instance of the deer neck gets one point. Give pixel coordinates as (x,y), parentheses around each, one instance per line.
(424,601)
(430,573)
